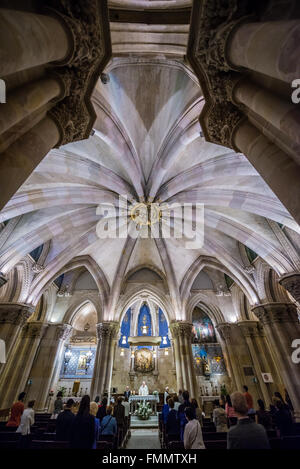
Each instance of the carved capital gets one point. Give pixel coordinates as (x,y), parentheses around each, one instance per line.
(15,313)
(107,330)
(291,283)
(224,330)
(63,331)
(34,330)
(86,23)
(249,328)
(181,329)
(220,121)
(269,313)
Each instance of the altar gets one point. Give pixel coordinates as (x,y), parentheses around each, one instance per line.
(151,398)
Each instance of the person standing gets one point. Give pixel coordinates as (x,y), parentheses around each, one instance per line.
(143,391)
(16,411)
(102,409)
(64,422)
(127,392)
(180,396)
(172,424)
(246,434)
(58,405)
(198,411)
(93,411)
(27,420)
(166,394)
(109,424)
(119,414)
(263,416)
(181,412)
(232,420)
(83,427)
(192,438)
(219,417)
(249,400)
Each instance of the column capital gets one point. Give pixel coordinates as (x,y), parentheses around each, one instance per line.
(181,329)
(15,313)
(212,27)
(224,330)
(87,26)
(34,330)
(107,330)
(291,282)
(269,313)
(63,331)
(249,328)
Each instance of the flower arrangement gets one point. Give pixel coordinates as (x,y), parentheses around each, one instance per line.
(62,389)
(155,393)
(143,411)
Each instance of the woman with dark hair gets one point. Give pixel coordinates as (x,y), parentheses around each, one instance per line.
(83,427)
(263,416)
(283,419)
(231,417)
(16,412)
(192,438)
(102,409)
(181,412)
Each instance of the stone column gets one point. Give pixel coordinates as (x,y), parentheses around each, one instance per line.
(277,168)
(177,360)
(20,159)
(281,324)
(250,332)
(13,316)
(224,330)
(271,48)
(106,332)
(185,371)
(114,326)
(291,282)
(29,39)
(281,114)
(46,362)
(16,373)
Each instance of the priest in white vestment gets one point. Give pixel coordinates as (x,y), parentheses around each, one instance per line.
(143,391)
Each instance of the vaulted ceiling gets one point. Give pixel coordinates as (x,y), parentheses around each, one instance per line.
(147,145)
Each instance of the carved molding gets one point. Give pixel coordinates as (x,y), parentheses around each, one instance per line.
(269,313)
(15,313)
(86,22)
(181,329)
(291,283)
(34,330)
(63,331)
(249,328)
(224,330)
(212,25)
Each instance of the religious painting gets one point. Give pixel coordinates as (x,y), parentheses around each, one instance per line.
(81,366)
(143,360)
(203,328)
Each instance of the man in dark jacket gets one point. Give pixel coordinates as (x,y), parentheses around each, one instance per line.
(172,425)
(246,434)
(64,422)
(119,414)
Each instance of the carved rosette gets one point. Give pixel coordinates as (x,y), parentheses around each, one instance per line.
(16,314)
(86,22)
(291,283)
(269,313)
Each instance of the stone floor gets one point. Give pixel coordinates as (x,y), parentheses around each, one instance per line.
(143,438)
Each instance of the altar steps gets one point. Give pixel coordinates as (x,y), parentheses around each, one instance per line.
(152,422)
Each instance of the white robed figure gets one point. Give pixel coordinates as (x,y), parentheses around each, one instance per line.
(144,391)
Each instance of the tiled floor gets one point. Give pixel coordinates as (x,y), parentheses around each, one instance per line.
(144,439)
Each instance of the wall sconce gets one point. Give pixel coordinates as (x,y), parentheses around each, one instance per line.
(122,353)
(164,340)
(166,351)
(124,340)
(144,330)
(67,358)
